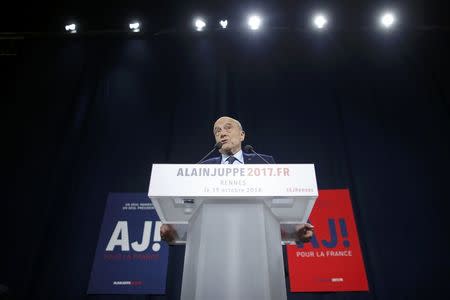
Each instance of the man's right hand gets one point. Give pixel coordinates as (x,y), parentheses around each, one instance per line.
(168,233)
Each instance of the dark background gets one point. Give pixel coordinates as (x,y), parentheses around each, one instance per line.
(87,114)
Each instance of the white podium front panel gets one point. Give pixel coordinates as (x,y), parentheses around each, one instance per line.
(289,190)
(234,253)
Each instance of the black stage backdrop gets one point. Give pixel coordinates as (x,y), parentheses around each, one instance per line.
(85,116)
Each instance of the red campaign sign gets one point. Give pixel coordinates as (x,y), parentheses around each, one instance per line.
(332,261)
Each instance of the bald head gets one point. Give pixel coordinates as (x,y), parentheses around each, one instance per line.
(228,119)
(229,132)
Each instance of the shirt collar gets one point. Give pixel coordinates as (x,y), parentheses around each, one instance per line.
(238,155)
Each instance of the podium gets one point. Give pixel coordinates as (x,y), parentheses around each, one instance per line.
(229,217)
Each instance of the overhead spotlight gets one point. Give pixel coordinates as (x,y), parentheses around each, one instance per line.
(135,27)
(199,24)
(223,23)
(72,28)
(254,22)
(387,19)
(320,21)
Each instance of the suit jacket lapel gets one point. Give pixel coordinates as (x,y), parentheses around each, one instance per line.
(247,158)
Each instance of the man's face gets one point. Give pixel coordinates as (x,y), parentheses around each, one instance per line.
(227,131)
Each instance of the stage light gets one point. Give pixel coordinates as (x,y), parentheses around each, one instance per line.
(72,28)
(199,24)
(135,26)
(254,22)
(320,21)
(387,19)
(223,23)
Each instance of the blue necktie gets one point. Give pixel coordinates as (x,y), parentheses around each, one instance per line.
(231,160)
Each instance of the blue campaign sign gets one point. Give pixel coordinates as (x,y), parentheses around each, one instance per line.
(130,257)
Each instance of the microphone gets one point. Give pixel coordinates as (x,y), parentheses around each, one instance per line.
(217,146)
(249,148)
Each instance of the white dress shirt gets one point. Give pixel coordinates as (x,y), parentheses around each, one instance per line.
(239,158)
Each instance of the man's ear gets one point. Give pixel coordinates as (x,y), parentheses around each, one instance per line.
(242,135)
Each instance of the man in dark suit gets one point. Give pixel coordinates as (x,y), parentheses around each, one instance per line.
(230,134)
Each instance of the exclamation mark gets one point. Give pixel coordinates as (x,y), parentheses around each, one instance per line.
(157,237)
(344,232)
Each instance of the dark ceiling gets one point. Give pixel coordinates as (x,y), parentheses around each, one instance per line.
(51,16)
